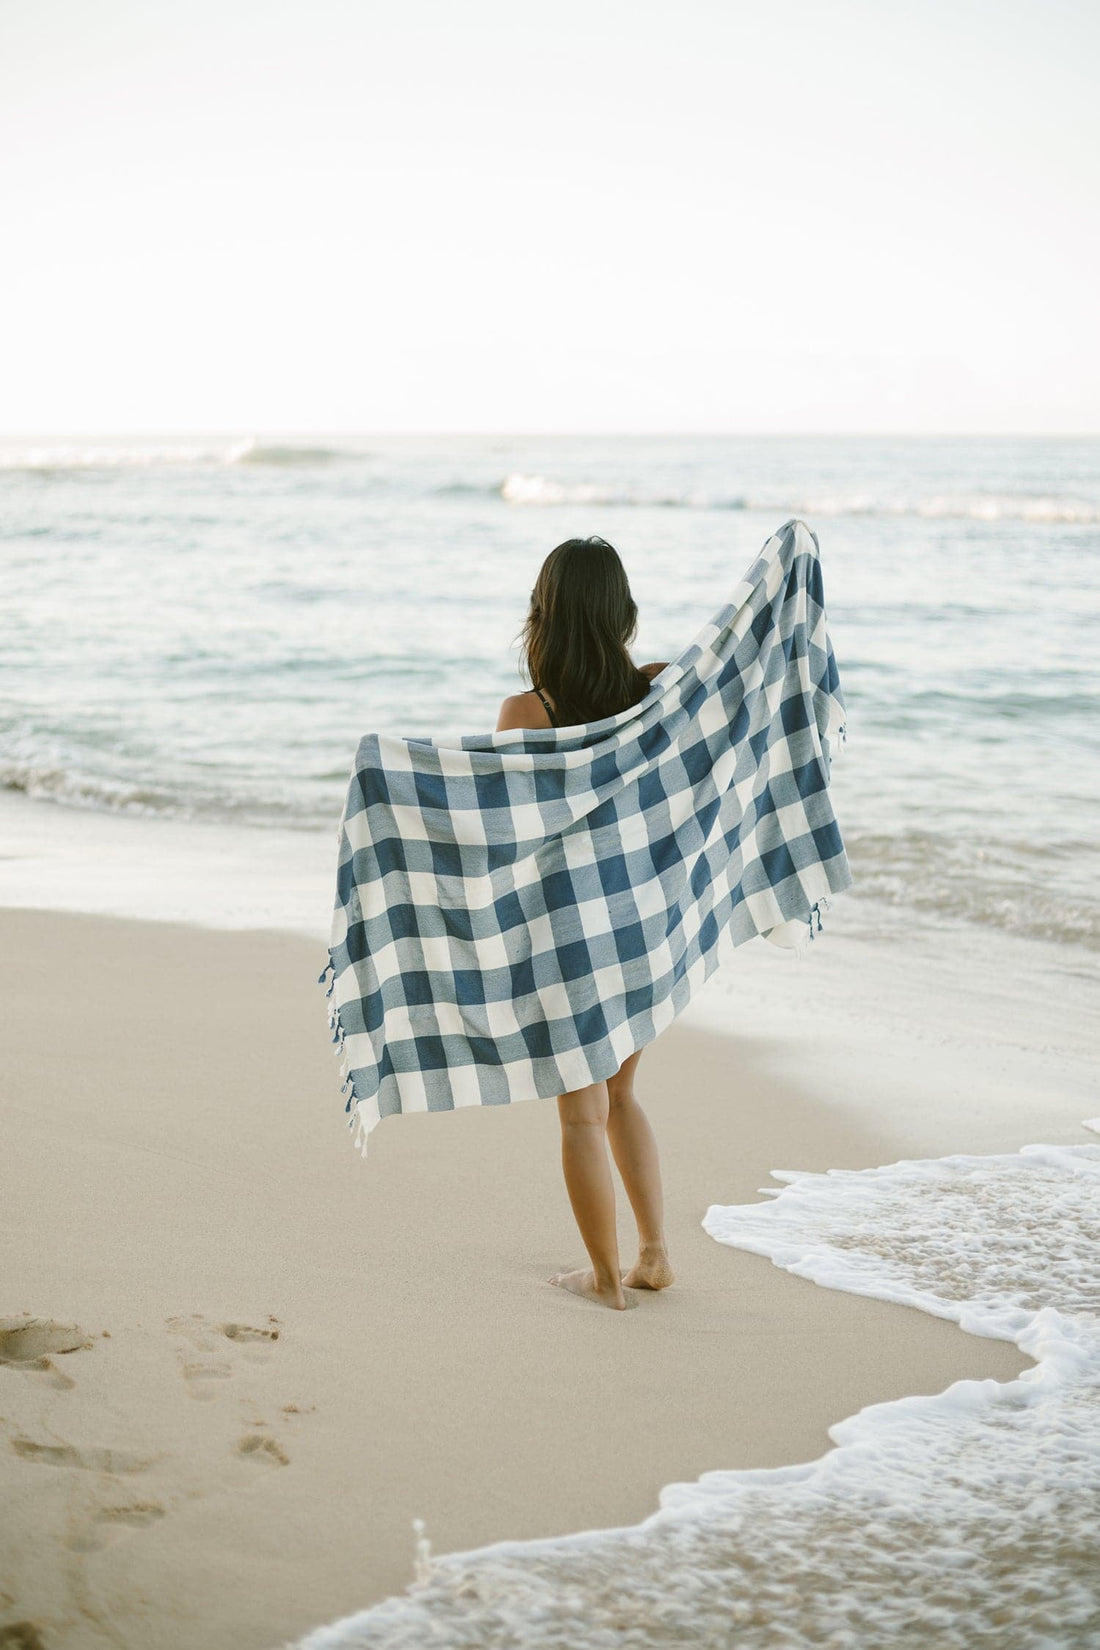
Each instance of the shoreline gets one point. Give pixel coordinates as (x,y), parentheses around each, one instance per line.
(179,1162)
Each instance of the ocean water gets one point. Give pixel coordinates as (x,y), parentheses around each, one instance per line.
(202,629)
(971,1517)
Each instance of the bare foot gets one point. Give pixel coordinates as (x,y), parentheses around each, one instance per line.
(651,1270)
(584,1284)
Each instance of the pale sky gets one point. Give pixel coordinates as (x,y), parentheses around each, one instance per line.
(695,215)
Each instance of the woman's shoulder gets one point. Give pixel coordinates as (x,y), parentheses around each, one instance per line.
(522,710)
(527,710)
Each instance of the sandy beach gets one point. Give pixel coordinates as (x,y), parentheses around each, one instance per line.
(287,1354)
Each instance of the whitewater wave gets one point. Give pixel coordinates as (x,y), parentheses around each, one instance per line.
(47,783)
(74,787)
(968,1517)
(113,456)
(533,489)
(145,455)
(541,490)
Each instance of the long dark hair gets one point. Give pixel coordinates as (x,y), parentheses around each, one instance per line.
(575,636)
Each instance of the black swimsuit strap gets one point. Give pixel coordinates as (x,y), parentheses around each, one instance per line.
(546,707)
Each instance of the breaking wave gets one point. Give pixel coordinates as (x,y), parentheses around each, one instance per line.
(542,490)
(113,455)
(531,489)
(964,1518)
(47,783)
(145,455)
(190,800)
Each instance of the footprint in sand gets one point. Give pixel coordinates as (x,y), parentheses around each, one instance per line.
(266,1450)
(30,1343)
(108,1522)
(245,1332)
(202,1376)
(88,1459)
(206,1365)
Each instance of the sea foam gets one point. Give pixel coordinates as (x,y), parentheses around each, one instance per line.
(971,1517)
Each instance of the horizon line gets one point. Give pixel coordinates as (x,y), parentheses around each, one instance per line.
(243,432)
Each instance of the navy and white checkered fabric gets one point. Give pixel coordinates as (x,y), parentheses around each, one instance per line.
(517,912)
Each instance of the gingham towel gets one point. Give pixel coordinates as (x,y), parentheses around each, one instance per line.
(517,912)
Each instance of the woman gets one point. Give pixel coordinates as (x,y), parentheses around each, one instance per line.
(575,637)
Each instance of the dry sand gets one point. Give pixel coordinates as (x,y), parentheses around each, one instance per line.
(289,1353)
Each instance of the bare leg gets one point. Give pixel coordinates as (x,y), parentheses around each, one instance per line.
(584,1161)
(635,1152)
